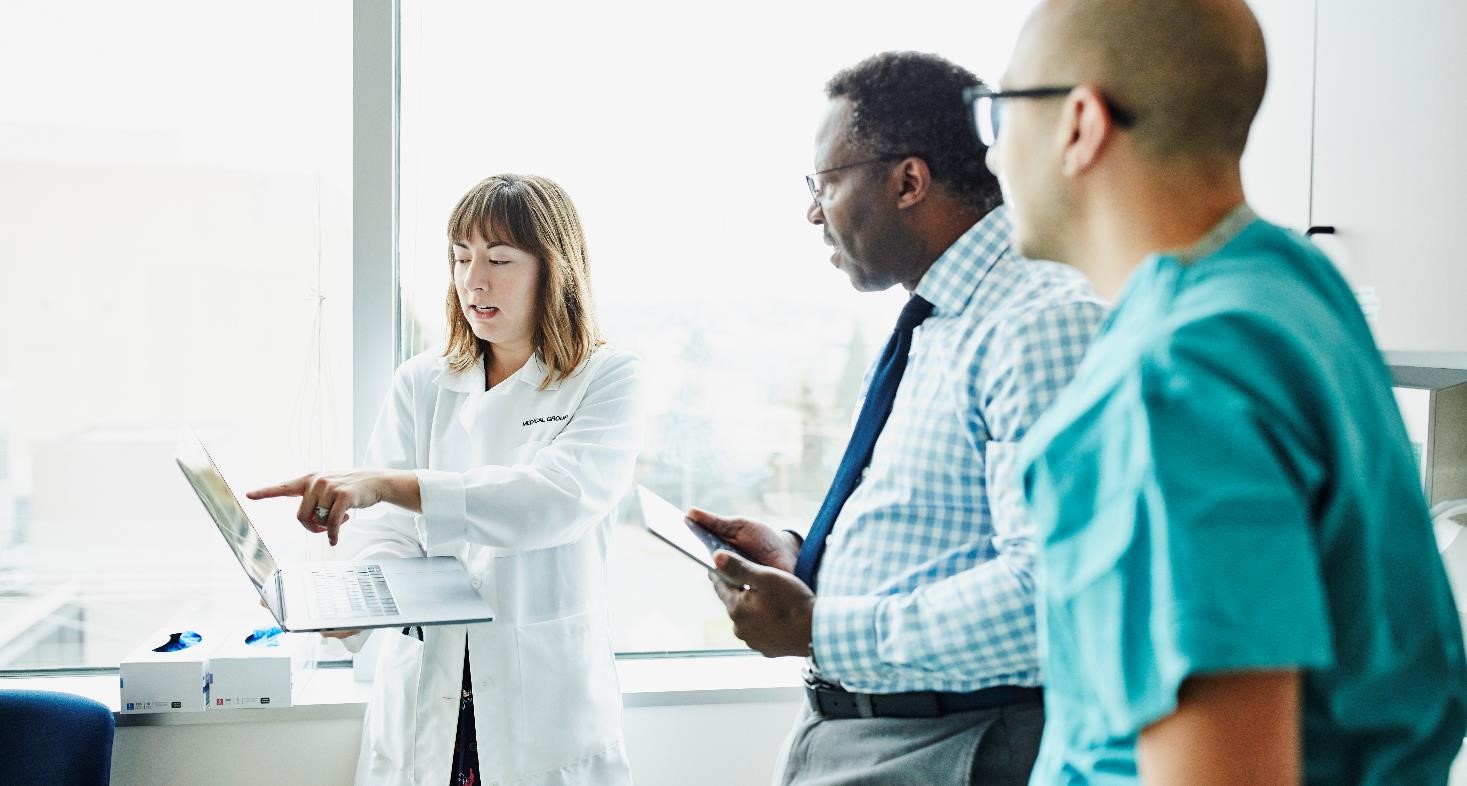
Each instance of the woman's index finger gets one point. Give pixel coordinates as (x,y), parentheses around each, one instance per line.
(290,488)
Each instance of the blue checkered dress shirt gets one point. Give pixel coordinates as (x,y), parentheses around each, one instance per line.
(927,582)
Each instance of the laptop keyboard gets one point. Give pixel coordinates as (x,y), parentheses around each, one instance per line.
(352,592)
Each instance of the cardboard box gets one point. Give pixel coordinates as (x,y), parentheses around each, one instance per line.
(255,668)
(168,673)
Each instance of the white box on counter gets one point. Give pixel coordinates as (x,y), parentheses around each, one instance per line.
(255,668)
(168,673)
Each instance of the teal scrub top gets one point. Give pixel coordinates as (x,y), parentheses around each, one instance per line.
(1227,485)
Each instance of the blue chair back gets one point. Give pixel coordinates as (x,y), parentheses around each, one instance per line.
(56,739)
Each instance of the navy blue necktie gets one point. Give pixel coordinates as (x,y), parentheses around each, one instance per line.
(874,411)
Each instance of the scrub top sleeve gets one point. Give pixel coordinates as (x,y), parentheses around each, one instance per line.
(560,493)
(386,530)
(1225,571)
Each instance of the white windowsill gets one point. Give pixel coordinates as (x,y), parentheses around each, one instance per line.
(329,694)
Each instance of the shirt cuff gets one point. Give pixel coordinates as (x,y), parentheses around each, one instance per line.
(844,639)
(445,511)
(356,641)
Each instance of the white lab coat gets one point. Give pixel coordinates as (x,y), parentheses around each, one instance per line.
(519,484)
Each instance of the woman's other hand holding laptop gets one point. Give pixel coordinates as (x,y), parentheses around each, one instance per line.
(327,496)
(330,634)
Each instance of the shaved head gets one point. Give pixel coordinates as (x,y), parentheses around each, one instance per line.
(1192,72)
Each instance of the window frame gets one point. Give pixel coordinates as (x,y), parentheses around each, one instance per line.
(376,105)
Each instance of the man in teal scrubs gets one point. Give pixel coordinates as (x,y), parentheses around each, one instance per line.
(1238,579)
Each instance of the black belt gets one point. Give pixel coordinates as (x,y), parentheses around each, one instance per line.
(836,703)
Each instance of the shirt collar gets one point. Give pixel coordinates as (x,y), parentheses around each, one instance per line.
(1217,237)
(949,285)
(534,373)
(471,380)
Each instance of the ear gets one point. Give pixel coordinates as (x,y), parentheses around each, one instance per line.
(1087,127)
(914,181)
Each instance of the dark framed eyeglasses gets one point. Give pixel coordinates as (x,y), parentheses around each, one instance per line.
(814,185)
(983,101)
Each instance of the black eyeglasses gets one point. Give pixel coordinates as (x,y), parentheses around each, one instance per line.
(814,185)
(984,103)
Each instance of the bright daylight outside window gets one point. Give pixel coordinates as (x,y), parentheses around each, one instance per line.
(682,132)
(175,249)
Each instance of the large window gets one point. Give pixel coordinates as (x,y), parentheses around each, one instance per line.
(174,249)
(682,131)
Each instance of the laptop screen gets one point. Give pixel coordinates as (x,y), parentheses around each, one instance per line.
(193,458)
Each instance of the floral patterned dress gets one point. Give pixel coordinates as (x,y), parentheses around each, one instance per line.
(466,745)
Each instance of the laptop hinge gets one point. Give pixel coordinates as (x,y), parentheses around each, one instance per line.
(279,601)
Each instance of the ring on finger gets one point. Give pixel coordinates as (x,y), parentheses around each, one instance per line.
(322,513)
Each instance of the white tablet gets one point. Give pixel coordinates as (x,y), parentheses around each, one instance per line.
(668,524)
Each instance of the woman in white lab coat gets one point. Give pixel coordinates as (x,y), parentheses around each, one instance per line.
(509,450)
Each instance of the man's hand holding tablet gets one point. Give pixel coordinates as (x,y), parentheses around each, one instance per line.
(772,610)
(752,568)
(754,540)
(665,522)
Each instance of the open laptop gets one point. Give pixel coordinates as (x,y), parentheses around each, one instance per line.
(318,596)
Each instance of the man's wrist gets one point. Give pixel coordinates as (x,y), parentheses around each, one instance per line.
(793,541)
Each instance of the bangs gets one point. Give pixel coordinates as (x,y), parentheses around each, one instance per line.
(499,212)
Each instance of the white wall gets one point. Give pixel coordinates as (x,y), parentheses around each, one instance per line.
(706,744)
(278,753)
(1277,162)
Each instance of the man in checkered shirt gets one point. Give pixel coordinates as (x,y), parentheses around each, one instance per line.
(920,632)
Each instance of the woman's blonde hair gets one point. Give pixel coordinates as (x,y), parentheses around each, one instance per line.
(534,215)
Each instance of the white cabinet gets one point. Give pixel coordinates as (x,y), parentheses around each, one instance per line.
(1390,162)
(1362,130)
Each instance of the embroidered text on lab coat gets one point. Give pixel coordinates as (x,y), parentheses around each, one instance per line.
(549,419)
